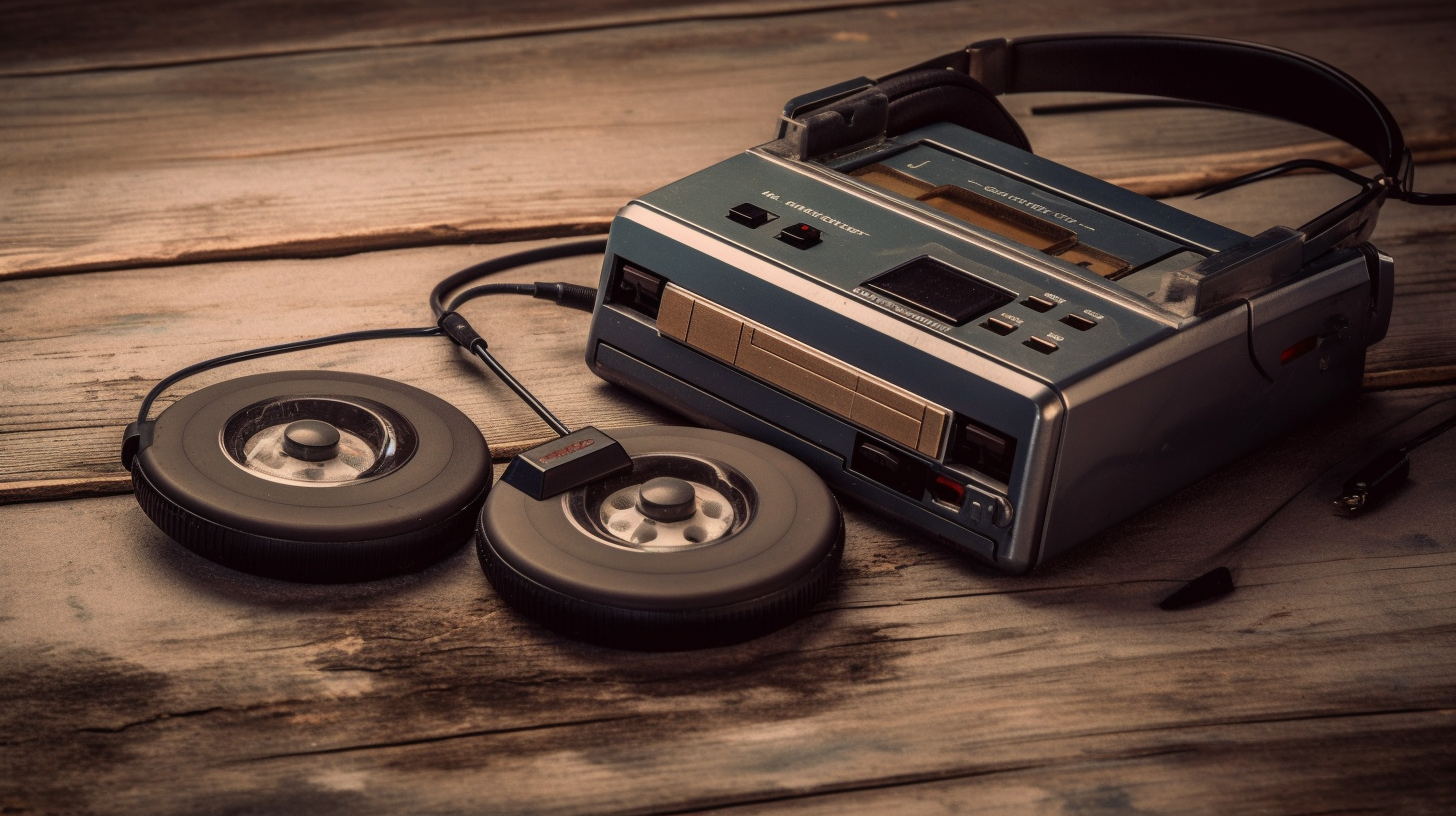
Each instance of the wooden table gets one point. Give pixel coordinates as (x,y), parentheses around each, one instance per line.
(171,174)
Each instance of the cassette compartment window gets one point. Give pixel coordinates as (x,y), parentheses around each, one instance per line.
(996,217)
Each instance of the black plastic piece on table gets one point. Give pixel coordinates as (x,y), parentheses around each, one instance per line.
(567,462)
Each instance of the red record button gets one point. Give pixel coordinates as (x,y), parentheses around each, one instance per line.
(801,236)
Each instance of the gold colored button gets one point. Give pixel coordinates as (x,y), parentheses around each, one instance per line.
(932,429)
(802,371)
(891,397)
(674,313)
(805,357)
(797,381)
(885,421)
(714,331)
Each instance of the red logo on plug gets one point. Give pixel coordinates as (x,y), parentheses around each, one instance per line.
(572,448)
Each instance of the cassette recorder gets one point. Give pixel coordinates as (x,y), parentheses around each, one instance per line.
(1006,353)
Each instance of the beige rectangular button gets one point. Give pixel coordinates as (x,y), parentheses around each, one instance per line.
(891,397)
(886,421)
(674,312)
(805,357)
(802,371)
(795,380)
(932,430)
(714,331)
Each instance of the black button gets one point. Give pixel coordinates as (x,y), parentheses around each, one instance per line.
(1043,346)
(750,216)
(1079,322)
(801,236)
(1036,304)
(1001,327)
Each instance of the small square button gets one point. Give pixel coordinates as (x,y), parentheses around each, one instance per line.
(1037,304)
(1079,322)
(750,216)
(1001,327)
(1038,344)
(801,236)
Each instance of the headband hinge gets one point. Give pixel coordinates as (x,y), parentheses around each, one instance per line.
(987,64)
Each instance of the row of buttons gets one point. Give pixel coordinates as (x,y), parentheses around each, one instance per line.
(1037,304)
(799,236)
(1042,345)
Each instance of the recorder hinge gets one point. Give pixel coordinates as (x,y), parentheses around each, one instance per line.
(986,63)
(1237,273)
(1382,291)
(852,122)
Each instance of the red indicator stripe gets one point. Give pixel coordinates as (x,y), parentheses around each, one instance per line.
(1298,350)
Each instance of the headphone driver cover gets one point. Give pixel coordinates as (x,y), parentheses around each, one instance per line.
(711,538)
(316,476)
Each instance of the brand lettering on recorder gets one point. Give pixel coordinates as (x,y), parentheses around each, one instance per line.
(572,448)
(901,310)
(812,213)
(1030,205)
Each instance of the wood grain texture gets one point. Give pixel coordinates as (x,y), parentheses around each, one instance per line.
(50,37)
(141,678)
(110,338)
(506,139)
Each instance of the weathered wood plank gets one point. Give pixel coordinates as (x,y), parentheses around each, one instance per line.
(78,353)
(87,35)
(548,135)
(111,339)
(138,677)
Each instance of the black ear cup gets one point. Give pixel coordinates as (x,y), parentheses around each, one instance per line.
(921,98)
(315,476)
(710,539)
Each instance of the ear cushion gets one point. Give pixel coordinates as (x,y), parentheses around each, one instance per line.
(921,98)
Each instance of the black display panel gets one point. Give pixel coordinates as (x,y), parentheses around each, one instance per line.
(940,290)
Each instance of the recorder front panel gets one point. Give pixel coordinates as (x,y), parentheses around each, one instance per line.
(992,430)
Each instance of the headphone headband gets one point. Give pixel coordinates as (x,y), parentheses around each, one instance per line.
(962,86)
(1247,76)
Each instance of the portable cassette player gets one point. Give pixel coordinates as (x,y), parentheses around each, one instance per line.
(1006,353)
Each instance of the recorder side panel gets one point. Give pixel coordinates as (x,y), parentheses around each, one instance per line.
(1158,421)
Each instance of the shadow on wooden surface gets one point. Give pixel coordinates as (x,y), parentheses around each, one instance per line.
(141,677)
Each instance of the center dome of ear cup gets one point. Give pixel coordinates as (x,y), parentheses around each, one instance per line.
(667,499)
(711,538)
(312,440)
(315,476)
